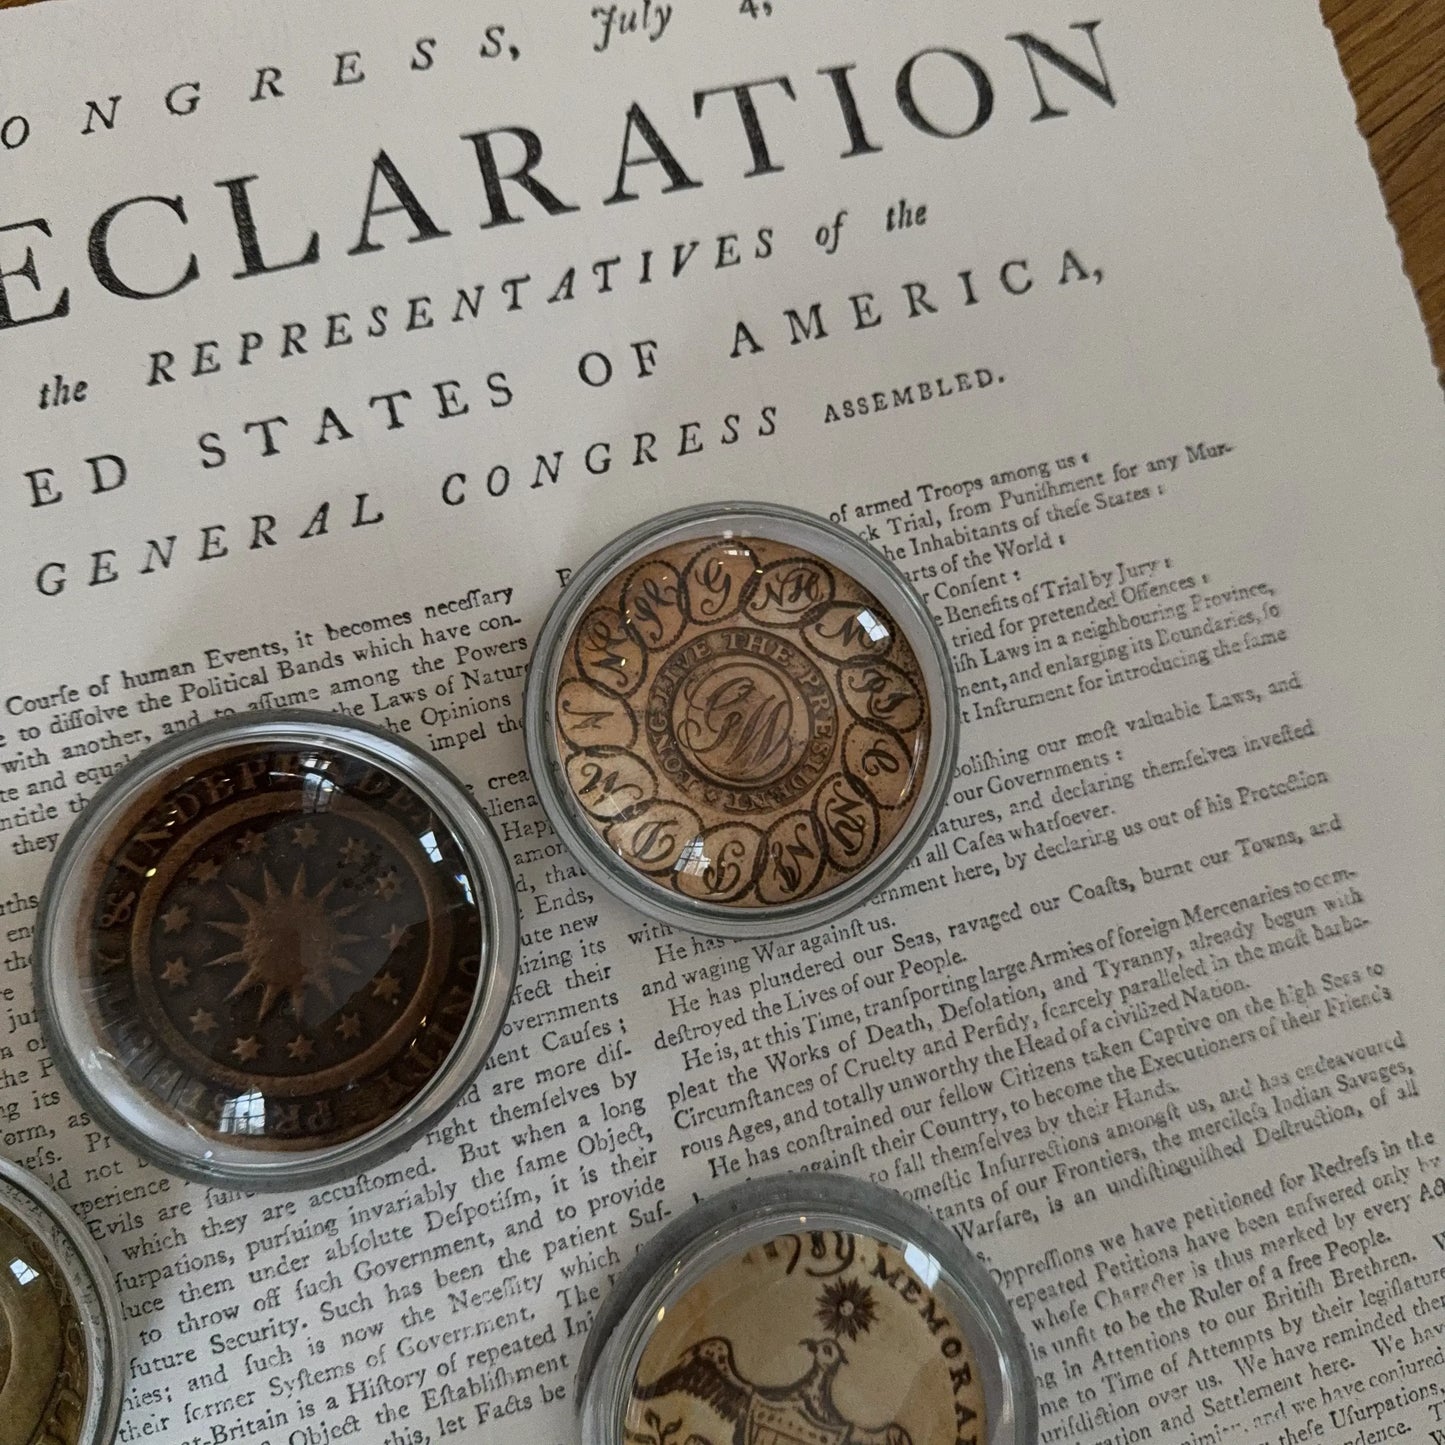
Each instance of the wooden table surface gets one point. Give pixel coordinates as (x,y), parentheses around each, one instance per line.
(1393,52)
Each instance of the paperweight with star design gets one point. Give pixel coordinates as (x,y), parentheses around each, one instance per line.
(275,948)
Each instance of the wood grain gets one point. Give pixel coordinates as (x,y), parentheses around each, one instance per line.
(1393,53)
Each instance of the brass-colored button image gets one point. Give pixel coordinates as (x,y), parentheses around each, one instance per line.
(740,721)
(44,1372)
(62,1365)
(280,942)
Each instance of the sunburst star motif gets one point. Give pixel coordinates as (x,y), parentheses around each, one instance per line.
(847,1308)
(289,942)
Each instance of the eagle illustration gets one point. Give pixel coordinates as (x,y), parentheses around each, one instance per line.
(802,1413)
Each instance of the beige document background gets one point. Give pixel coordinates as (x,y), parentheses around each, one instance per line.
(1233,282)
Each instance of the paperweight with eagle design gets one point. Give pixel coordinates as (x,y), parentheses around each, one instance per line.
(806,1310)
(275,948)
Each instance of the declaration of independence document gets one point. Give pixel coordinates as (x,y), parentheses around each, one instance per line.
(332,336)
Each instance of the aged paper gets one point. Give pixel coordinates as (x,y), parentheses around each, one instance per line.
(332,337)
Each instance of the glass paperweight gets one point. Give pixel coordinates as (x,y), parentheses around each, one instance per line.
(741,719)
(274,949)
(62,1350)
(806,1310)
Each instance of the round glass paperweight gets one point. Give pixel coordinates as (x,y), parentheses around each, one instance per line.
(62,1340)
(274,949)
(806,1310)
(741,719)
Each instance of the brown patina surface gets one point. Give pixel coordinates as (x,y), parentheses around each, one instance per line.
(741,721)
(284,947)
